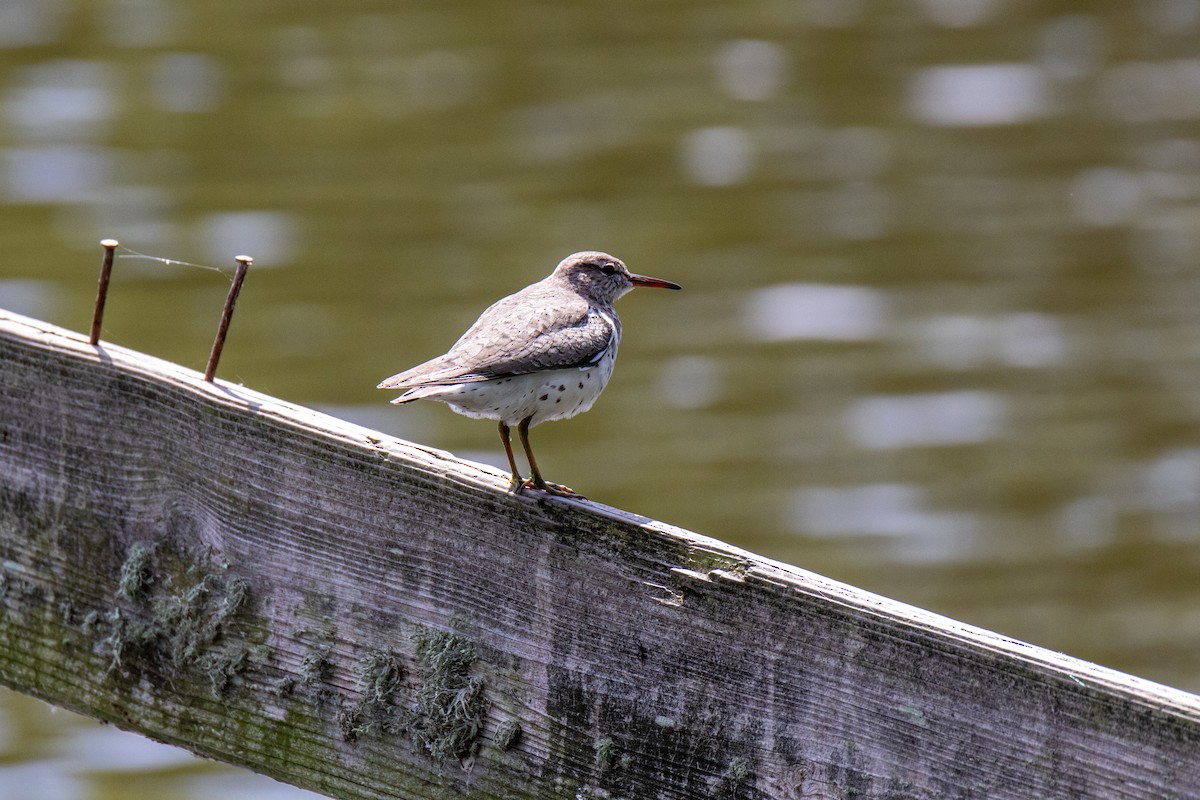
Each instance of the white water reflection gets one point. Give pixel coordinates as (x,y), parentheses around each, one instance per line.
(245,785)
(751,69)
(689,382)
(1106,196)
(304,62)
(32,298)
(60,100)
(881,509)
(270,237)
(815,311)
(1170,488)
(42,780)
(979,95)
(71,756)
(55,174)
(143,214)
(721,156)
(894,511)
(1031,340)
(106,749)
(923,420)
(25,23)
(962,341)
(1088,522)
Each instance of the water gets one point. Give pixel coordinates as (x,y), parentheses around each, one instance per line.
(939,336)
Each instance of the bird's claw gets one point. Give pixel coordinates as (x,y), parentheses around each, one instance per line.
(518,486)
(559,490)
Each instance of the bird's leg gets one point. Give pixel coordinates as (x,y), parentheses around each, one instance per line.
(516,484)
(537,482)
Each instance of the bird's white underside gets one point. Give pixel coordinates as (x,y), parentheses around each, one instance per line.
(542,396)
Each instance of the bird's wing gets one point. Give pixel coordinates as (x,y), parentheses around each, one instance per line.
(440,371)
(580,344)
(517,338)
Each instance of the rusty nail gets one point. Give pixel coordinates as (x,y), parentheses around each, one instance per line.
(244,263)
(109,245)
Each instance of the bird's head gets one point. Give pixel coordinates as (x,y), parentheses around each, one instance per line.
(602,277)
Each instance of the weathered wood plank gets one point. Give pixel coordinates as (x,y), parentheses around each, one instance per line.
(271,587)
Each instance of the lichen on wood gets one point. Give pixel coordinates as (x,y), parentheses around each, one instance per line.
(450,702)
(168,615)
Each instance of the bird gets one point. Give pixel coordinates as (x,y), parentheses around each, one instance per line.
(543,353)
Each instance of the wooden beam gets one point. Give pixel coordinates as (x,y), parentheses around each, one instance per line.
(361,616)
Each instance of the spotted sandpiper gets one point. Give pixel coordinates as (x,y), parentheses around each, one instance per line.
(543,353)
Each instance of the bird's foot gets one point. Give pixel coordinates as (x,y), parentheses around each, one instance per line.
(556,489)
(517,485)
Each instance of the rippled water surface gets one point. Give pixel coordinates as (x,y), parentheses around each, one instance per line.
(940,332)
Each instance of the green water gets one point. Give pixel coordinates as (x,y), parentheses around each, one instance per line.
(940,331)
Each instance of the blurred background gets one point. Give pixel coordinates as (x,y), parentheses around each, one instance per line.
(940,332)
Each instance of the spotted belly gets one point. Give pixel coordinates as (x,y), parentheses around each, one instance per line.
(541,396)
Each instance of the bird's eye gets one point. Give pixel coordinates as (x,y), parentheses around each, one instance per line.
(609,269)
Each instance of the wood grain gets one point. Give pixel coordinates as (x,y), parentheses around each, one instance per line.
(361,616)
